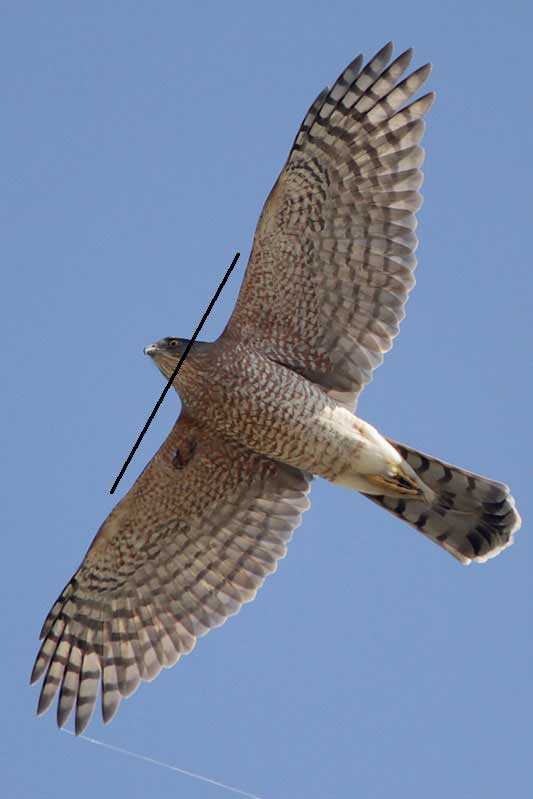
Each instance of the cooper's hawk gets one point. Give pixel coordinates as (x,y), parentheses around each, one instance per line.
(270,404)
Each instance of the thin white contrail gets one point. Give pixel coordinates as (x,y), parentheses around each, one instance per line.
(166,765)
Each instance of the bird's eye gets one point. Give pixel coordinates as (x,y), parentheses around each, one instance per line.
(173,342)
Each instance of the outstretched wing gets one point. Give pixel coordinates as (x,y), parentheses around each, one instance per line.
(192,541)
(333,256)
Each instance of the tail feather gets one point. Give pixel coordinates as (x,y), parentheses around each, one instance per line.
(471,517)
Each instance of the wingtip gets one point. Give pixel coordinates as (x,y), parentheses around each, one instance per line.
(423,104)
(430,98)
(43,704)
(62,717)
(81,723)
(387,50)
(37,670)
(407,55)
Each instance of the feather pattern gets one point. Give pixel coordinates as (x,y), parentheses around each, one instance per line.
(341,221)
(150,584)
(471,517)
(266,406)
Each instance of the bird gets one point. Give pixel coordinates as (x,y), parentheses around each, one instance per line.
(270,406)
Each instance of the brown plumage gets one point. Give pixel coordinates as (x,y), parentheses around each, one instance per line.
(269,405)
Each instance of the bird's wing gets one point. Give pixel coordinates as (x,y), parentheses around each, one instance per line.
(333,255)
(192,540)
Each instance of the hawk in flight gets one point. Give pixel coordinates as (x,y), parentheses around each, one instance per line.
(269,405)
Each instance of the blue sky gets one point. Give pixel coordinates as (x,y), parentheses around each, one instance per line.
(139,144)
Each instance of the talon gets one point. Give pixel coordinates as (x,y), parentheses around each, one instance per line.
(396,485)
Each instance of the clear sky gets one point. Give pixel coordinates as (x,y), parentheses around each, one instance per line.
(139,142)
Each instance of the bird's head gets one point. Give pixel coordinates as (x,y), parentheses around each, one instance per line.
(166,353)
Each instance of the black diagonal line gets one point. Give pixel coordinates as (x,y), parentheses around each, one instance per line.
(175,372)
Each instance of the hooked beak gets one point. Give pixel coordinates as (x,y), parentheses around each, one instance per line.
(150,350)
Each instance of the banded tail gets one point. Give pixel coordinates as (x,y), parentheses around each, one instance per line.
(473,518)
